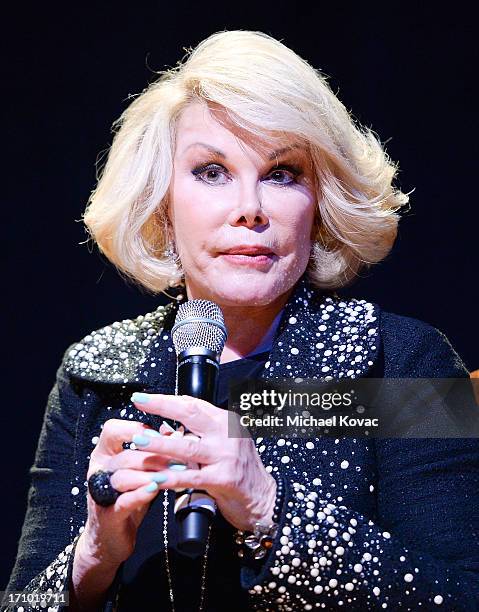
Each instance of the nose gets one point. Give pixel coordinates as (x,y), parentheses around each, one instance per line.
(248,212)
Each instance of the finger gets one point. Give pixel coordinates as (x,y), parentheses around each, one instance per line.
(185,448)
(166,429)
(134,500)
(197,479)
(117,431)
(132,459)
(129,480)
(195,414)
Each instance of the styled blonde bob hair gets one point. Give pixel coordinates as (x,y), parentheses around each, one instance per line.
(267,92)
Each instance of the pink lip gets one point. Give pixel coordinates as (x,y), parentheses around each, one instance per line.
(250,250)
(261,261)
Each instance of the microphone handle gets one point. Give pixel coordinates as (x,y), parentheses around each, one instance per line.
(197,376)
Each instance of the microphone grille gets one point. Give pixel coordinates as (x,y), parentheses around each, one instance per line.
(199,323)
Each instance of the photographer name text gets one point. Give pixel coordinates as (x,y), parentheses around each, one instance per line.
(249,420)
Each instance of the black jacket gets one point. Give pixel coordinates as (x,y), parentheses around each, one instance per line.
(367,524)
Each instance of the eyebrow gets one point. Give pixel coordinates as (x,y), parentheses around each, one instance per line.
(273,155)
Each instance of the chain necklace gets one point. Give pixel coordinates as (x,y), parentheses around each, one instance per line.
(167,560)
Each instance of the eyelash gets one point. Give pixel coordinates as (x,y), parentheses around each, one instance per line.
(295,171)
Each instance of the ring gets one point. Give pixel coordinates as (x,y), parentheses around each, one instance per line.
(101,489)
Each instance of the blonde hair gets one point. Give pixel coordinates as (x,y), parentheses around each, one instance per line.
(267,91)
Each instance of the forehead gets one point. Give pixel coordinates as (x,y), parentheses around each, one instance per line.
(200,123)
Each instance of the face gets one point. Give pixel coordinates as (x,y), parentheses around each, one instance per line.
(242,220)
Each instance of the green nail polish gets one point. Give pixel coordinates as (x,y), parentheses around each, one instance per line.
(159,477)
(151,432)
(140,398)
(151,487)
(177,466)
(140,440)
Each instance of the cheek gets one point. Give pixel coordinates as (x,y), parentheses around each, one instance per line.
(195,224)
(186,215)
(297,223)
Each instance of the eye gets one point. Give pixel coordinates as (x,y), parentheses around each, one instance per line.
(211,173)
(290,173)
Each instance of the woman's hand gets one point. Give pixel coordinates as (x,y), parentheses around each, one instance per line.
(231,469)
(110,532)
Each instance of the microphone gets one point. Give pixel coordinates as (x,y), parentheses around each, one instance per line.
(199,335)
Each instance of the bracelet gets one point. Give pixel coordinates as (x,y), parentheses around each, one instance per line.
(255,545)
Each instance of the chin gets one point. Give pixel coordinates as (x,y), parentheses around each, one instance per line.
(251,289)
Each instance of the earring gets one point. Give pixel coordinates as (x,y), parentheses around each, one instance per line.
(178,297)
(170,252)
(175,284)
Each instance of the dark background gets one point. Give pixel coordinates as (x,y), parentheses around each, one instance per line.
(410,75)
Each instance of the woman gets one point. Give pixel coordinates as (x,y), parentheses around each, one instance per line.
(240,176)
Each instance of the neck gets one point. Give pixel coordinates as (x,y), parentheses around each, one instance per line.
(246,325)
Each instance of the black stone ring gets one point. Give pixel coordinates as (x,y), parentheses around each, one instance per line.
(101,489)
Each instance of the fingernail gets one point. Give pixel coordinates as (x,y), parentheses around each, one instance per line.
(159,477)
(151,487)
(151,432)
(176,466)
(140,440)
(140,398)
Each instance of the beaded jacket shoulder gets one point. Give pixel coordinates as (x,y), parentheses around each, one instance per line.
(316,328)
(114,352)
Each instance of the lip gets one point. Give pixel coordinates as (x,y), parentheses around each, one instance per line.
(252,250)
(256,257)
